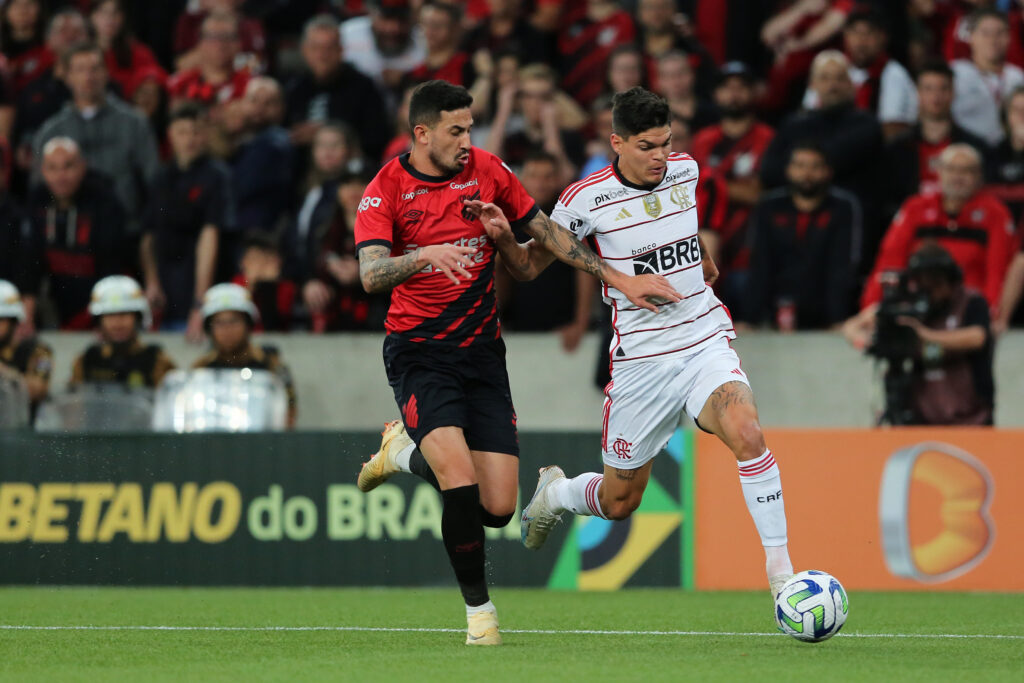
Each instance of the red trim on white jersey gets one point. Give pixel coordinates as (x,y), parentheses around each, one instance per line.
(639,196)
(580,184)
(689,346)
(669,327)
(636,225)
(644,253)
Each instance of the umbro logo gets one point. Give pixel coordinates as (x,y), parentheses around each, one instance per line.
(623,214)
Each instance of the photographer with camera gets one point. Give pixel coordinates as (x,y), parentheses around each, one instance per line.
(933,334)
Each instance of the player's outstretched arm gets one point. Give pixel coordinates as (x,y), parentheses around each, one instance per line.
(379,271)
(645,291)
(522,261)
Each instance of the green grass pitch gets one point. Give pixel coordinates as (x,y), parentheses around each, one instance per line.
(260,634)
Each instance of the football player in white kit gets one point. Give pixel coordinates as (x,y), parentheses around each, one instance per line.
(639,213)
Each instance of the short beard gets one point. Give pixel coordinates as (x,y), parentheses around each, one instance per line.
(736,113)
(809,191)
(446,167)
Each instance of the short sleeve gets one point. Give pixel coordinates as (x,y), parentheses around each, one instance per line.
(572,220)
(976,312)
(374,218)
(513,199)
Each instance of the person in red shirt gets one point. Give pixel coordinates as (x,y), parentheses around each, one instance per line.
(418,234)
(129,62)
(215,80)
(588,36)
(188,32)
(440,24)
(970,224)
(66,28)
(733,150)
(21,32)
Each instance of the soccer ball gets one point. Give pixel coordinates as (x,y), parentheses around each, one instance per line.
(812,606)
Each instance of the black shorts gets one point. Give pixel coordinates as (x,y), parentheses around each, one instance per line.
(444,386)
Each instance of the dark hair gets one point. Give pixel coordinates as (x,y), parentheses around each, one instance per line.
(540,156)
(433,97)
(975,17)
(871,17)
(936,66)
(261,241)
(121,45)
(932,258)
(6,36)
(637,110)
(812,146)
(454,12)
(187,111)
(82,48)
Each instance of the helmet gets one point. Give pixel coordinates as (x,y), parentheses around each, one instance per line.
(119,294)
(228,297)
(10,302)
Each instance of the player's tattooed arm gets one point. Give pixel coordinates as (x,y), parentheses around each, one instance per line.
(380,272)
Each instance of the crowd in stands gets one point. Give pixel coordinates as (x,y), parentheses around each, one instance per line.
(190,143)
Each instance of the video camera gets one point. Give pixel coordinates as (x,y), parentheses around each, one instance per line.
(892,341)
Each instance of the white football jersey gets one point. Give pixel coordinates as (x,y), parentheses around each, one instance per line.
(642,230)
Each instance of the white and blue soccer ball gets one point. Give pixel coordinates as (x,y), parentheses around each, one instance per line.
(812,606)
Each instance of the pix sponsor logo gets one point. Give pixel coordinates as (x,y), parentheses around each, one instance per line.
(369,202)
(667,258)
(678,175)
(609,196)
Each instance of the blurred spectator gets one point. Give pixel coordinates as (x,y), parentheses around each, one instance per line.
(66,28)
(1006,162)
(402,141)
(261,159)
(190,203)
(804,248)
(131,64)
(560,298)
(440,24)
(527,120)
(971,224)
(676,83)
(29,357)
(662,29)
(599,148)
(42,90)
(384,45)
(506,29)
(729,29)
(229,316)
(733,149)
(120,311)
(332,90)
(188,32)
(1013,287)
(113,137)
(912,159)
(21,38)
(260,274)
(981,83)
(852,140)
(335,297)
(883,86)
(625,69)
(215,79)
(590,31)
(77,233)
(14,229)
(795,35)
(332,155)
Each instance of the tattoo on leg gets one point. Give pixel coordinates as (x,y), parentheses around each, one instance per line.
(625,475)
(731,394)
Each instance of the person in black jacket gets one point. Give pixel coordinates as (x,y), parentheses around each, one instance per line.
(77,234)
(851,138)
(804,247)
(330,89)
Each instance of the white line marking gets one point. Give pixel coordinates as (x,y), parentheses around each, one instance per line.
(529,631)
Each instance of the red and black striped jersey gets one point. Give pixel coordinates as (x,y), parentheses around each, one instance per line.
(404,209)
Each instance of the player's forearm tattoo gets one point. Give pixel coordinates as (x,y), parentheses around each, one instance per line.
(731,394)
(625,475)
(564,245)
(379,271)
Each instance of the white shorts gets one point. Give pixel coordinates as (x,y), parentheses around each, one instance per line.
(646,402)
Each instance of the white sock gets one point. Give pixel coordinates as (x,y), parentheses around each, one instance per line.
(486,607)
(578,495)
(402,457)
(762,489)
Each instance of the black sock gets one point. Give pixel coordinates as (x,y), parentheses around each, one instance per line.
(495,521)
(419,466)
(463,535)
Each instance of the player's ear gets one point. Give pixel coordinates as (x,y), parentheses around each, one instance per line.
(421,134)
(617,143)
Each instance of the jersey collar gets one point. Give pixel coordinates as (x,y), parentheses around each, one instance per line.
(404,160)
(622,179)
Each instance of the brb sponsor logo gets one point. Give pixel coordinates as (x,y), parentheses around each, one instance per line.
(369,202)
(666,258)
(620,447)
